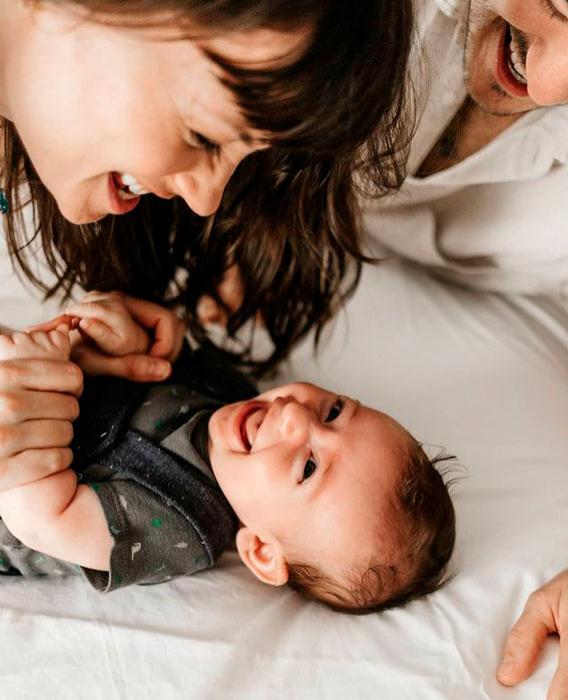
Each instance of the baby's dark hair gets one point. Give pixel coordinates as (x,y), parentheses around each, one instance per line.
(421,504)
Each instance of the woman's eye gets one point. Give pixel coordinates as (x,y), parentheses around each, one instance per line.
(309,469)
(335,411)
(203,143)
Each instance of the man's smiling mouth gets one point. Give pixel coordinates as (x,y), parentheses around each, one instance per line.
(510,68)
(517,56)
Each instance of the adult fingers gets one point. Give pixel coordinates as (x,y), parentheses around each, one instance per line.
(41,375)
(559,686)
(34,434)
(169,330)
(32,465)
(526,639)
(19,406)
(136,368)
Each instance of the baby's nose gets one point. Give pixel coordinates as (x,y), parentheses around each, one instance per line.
(295,417)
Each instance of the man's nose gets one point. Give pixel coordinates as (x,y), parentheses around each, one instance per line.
(202,188)
(547,72)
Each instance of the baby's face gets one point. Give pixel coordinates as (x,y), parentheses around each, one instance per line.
(310,471)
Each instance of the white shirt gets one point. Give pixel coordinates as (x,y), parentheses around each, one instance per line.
(499,219)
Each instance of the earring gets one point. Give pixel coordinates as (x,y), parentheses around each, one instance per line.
(4,204)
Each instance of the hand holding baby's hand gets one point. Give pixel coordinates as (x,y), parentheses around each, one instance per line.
(38,390)
(121,336)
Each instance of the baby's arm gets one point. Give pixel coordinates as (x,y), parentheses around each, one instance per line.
(60,518)
(55,515)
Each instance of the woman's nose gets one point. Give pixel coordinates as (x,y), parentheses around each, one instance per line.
(202,188)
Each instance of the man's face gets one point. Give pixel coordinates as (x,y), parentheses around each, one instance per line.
(311,471)
(516,55)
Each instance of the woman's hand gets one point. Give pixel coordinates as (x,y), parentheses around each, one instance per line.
(125,337)
(546,612)
(39,387)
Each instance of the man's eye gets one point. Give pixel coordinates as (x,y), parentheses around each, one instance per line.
(335,411)
(309,469)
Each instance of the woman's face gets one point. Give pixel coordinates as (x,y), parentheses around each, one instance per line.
(93,104)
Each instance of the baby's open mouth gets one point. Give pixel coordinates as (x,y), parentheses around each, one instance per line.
(252,420)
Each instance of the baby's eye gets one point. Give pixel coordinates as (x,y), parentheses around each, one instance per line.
(309,469)
(335,411)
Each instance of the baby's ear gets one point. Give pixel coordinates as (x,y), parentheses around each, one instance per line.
(266,561)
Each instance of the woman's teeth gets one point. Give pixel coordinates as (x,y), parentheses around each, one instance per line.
(129,187)
(516,65)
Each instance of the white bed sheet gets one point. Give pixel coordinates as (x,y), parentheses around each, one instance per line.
(483,375)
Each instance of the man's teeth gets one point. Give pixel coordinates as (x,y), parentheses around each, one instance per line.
(131,188)
(515,64)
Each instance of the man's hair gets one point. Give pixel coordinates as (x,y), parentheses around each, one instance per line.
(422,505)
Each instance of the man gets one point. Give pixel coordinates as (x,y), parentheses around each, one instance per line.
(485,201)
(484,204)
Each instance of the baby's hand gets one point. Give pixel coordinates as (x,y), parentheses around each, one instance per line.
(37,345)
(125,337)
(106,322)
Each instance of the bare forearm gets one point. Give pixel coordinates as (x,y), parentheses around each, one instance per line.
(59,518)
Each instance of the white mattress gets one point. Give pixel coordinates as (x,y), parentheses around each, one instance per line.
(483,375)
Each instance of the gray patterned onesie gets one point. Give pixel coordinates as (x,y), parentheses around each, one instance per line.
(152,540)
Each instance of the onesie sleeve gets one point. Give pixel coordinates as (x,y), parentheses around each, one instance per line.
(153,542)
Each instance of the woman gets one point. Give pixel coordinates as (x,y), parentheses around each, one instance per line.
(104,102)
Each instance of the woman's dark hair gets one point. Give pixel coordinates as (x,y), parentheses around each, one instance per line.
(288,217)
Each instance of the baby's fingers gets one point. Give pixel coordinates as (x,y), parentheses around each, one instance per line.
(95,310)
(101,334)
(51,325)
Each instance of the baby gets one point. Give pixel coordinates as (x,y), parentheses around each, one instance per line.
(330,496)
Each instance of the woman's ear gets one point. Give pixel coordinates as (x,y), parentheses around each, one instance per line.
(266,561)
